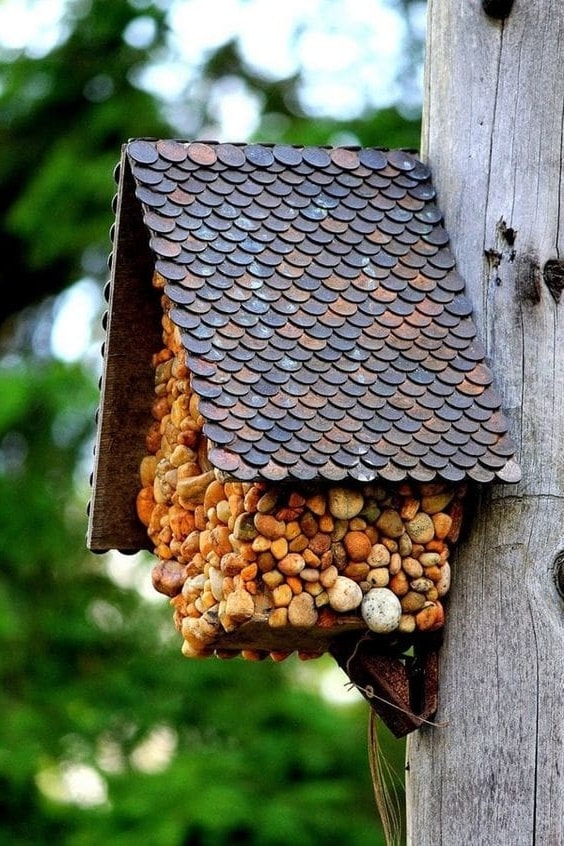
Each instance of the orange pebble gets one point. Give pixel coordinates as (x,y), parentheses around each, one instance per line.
(295,584)
(249,572)
(399,584)
(435,546)
(145,504)
(358,546)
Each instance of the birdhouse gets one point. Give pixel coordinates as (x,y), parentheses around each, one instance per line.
(294,403)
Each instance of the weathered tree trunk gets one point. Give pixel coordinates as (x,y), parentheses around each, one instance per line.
(493,135)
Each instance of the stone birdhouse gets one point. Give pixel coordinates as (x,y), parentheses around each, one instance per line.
(294,403)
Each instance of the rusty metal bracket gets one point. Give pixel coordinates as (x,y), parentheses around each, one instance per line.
(401,688)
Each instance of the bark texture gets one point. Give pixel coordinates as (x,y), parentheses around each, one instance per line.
(493,135)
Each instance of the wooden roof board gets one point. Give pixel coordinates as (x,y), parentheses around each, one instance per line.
(127,389)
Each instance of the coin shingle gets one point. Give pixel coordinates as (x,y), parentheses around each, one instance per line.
(327,331)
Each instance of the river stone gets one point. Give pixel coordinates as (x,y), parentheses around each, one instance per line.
(302,611)
(379,556)
(381,610)
(345,503)
(344,594)
(390,523)
(421,528)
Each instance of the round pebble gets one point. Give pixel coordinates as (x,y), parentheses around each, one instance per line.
(357,545)
(421,528)
(379,577)
(291,564)
(381,610)
(344,594)
(443,583)
(345,503)
(302,611)
(390,523)
(379,556)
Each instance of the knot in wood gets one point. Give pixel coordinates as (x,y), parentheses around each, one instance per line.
(559,573)
(499,9)
(553,275)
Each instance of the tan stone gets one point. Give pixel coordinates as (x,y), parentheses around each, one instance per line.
(310,574)
(409,508)
(278,617)
(220,542)
(295,583)
(344,595)
(266,562)
(405,545)
(302,611)
(443,583)
(272,579)
(378,556)
(282,595)
(261,544)
(269,526)
(310,558)
(345,503)
(429,559)
(292,564)
(340,529)
(147,470)
(395,563)
(390,523)
(412,567)
(244,528)
(298,544)
(406,624)
(232,563)
(443,524)
(412,601)
(292,530)
(279,548)
(328,577)
(436,502)
(421,585)
(223,511)
(317,504)
(357,570)
(379,577)
(421,528)
(326,523)
(267,502)
(239,606)
(214,494)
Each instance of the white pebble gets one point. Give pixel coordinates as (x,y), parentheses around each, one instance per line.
(344,594)
(381,610)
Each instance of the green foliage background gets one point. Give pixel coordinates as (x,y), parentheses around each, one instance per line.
(91,671)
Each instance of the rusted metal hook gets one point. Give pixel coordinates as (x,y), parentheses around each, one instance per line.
(402,689)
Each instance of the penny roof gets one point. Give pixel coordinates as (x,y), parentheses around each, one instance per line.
(326,327)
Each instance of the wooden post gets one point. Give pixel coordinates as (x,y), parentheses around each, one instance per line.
(493,135)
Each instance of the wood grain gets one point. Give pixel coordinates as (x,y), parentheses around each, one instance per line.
(127,390)
(493,134)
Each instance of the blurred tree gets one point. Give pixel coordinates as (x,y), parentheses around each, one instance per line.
(64,115)
(108,735)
